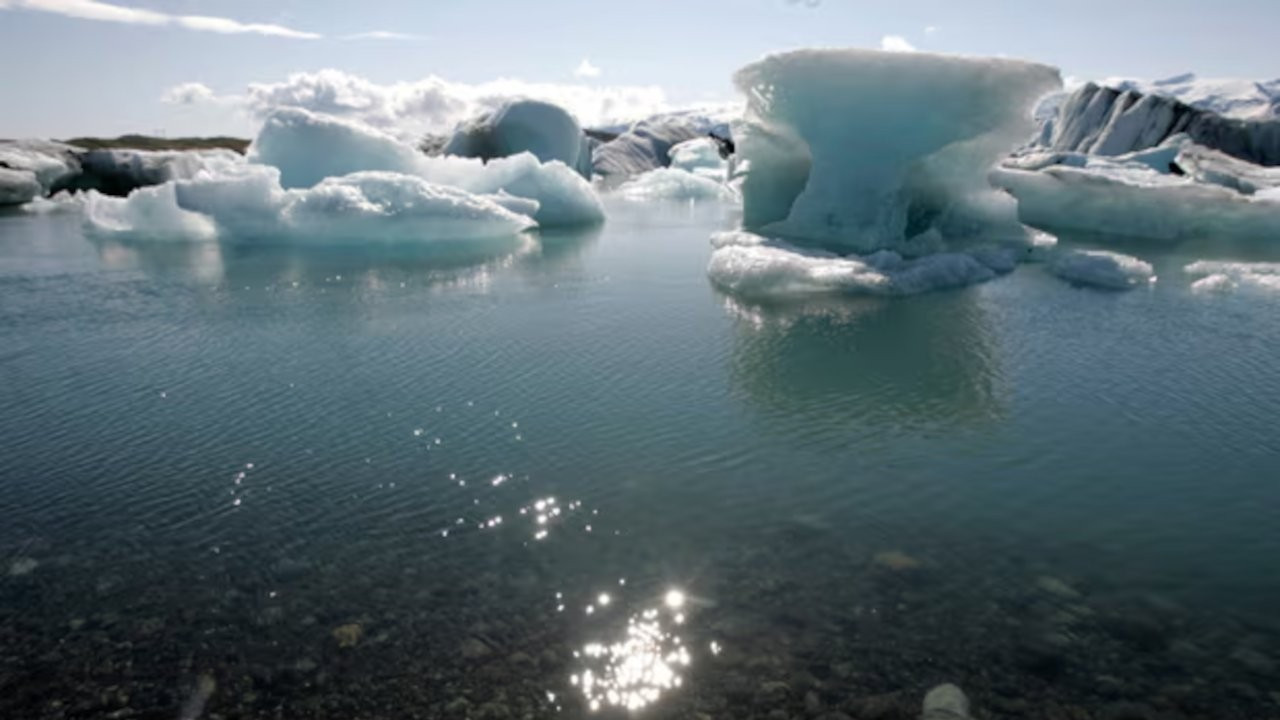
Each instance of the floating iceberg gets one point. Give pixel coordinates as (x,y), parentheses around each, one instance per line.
(1101,269)
(30,168)
(753,266)
(1232,97)
(1225,277)
(307,148)
(673,184)
(859,149)
(647,145)
(700,156)
(542,128)
(370,206)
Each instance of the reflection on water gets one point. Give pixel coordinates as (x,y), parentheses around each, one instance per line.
(639,662)
(863,363)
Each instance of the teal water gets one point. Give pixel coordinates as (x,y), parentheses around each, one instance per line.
(308,482)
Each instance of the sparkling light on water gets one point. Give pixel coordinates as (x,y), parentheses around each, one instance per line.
(645,660)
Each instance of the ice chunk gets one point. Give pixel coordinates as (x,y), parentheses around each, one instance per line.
(838,145)
(250,205)
(1129,199)
(18,187)
(753,266)
(542,128)
(307,148)
(49,162)
(700,156)
(1224,277)
(1102,269)
(647,145)
(150,213)
(120,172)
(672,184)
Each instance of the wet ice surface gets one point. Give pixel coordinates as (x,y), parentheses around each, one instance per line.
(530,477)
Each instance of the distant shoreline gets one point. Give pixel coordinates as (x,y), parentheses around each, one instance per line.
(147,142)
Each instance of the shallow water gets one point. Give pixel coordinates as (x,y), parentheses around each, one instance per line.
(299,482)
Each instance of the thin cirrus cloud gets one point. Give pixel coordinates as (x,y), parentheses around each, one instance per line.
(108,12)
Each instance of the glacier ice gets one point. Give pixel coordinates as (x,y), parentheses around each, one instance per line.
(751,265)
(670,183)
(1232,97)
(1131,199)
(1101,269)
(1226,277)
(542,128)
(308,147)
(647,144)
(700,156)
(373,206)
(18,187)
(859,149)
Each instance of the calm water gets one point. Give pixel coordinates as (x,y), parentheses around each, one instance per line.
(274,482)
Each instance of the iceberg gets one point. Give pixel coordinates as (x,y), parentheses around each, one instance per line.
(308,147)
(670,183)
(859,150)
(754,266)
(18,187)
(30,168)
(1100,120)
(1232,97)
(1228,277)
(1101,269)
(542,128)
(372,206)
(647,144)
(700,156)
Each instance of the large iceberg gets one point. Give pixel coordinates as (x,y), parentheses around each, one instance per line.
(858,149)
(31,168)
(308,147)
(542,128)
(315,178)
(1099,120)
(646,145)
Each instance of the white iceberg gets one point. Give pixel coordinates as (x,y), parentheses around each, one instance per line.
(1101,269)
(542,128)
(31,168)
(369,206)
(700,156)
(307,148)
(1226,277)
(859,149)
(750,265)
(672,184)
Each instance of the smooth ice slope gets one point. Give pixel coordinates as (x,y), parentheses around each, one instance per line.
(307,148)
(542,128)
(838,143)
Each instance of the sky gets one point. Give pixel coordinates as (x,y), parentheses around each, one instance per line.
(203,67)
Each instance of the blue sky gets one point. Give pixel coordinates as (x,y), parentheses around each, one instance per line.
(82,66)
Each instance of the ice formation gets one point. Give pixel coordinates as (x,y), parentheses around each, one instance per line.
(700,156)
(308,147)
(1101,269)
(1127,196)
(1225,277)
(30,169)
(1099,120)
(860,149)
(673,184)
(753,266)
(647,145)
(1232,97)
(249,203)
(542,128)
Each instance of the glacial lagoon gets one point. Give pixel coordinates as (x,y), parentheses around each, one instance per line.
(562,472)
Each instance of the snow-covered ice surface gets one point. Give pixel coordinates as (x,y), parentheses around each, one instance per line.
(1101,269)
(542,128)
(841,148)
(1217,276)
(1232,97)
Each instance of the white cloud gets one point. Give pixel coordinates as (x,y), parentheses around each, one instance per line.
(896,43)
(192,93)
(931,30)
(434,104)
(381,35)
(106,12)
(586,70)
